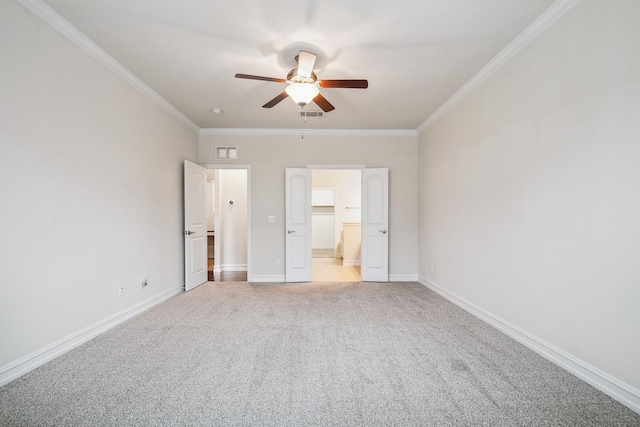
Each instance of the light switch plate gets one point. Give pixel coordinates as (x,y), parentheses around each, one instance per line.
(272,219)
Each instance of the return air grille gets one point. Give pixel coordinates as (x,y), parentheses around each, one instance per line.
(311,113)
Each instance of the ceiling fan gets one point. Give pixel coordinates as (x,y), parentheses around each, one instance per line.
(303,84)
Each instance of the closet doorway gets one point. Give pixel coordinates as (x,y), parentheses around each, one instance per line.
(335,222)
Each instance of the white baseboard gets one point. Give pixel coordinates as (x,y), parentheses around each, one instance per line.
(351,262)
(229,267)
(273,278)
(279,278)
(617,389)
(21,366)
(403,277)
(322,247)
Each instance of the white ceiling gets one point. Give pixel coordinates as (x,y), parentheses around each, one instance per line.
(415,53)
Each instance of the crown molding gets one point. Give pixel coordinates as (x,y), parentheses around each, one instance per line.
(58,23)
(307,132)
(537,27)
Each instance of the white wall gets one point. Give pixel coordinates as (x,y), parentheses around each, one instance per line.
(269,155)
(529,190)
(232,232)
(323,227)
(91,184)
(211,209)
(348,195)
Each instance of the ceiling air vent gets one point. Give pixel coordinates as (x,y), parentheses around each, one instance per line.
(311,113)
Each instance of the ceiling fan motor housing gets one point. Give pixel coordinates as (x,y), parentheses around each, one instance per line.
(294,77)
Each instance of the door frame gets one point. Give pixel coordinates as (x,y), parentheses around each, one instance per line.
(249,233)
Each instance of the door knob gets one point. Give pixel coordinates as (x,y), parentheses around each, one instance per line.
(189,232)
(383,231)
(291,231)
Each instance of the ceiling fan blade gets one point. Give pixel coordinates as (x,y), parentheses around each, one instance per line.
(266,79)
(350,84)
(306,61)
(322,102)
(275,100)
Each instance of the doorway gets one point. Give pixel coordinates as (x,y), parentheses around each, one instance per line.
(336,218)
(374,223)
(228,223)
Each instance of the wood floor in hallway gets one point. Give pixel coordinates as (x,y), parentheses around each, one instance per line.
(225,276)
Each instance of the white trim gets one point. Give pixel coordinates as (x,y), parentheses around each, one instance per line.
(323,246)
(17,368)
(544,21)
(227,166)
(267,278)
(337,167)
(58,23)
(618,390)
(233,267)
(296,132)
(403,277)
(351,262)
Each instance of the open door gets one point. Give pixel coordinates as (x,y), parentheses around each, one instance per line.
(375,225)
(195,225)
(298,225)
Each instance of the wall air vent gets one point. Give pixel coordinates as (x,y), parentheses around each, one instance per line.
(311,113)
(226,153)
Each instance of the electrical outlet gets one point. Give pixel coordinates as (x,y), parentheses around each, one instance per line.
(143,281)
(278,262)
(120,290)
(432,268)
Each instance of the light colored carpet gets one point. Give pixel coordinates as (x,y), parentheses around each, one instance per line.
(319,354)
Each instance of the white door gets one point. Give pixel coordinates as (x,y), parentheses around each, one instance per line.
(375,225)
(298,225)
(195,225)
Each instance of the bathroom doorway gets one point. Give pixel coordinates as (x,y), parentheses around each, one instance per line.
(336,216)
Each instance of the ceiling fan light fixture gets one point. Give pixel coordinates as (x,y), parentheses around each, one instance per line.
(303,84)
(302,93)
